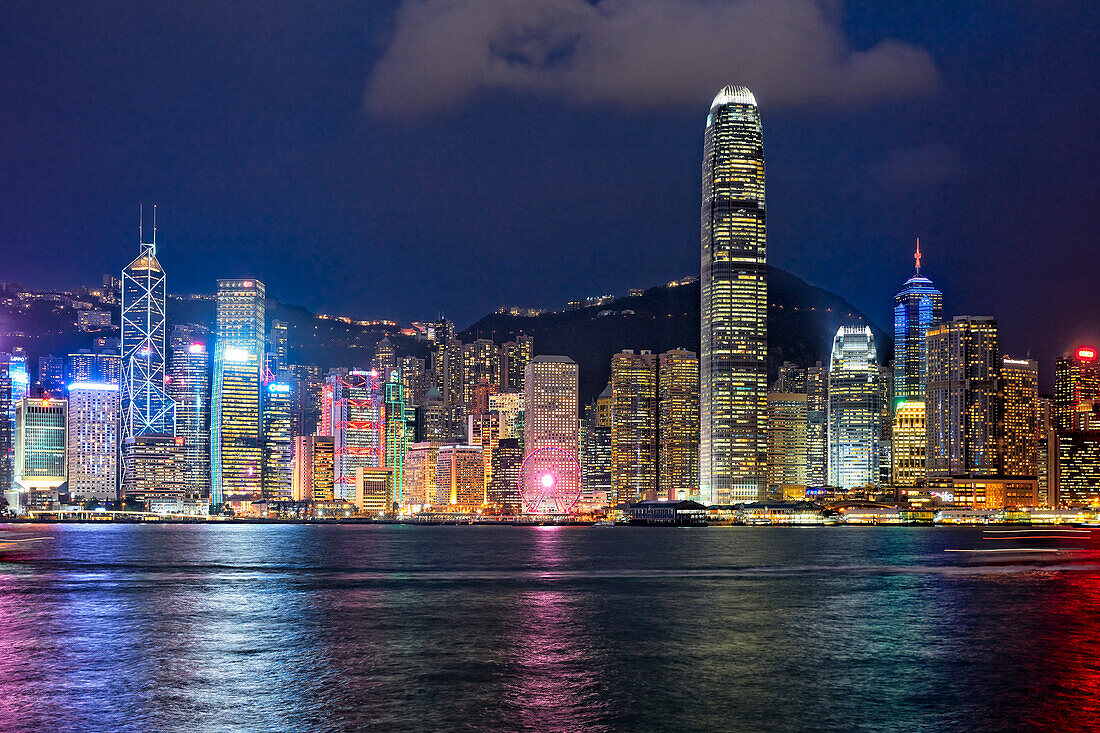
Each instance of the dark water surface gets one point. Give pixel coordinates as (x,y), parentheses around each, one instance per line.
(293,627)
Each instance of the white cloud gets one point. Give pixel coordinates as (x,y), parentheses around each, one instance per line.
(640,54)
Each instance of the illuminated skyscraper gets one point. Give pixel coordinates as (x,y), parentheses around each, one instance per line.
(146,407)
(460,476)
(909,444)
(787,444)
(189,387)
(817,403)
(420,466)
(678,425)
(514,358)
(7,432)
(41,442)
(918,307)
(855,409)
(503,492)
(385,358)
(396,440)
(159,479)
(633,427)
(235,457)
(550,413)
(357,428)
(278,343)
(278,442)
(89,366)
(1019,434)
(961,403)
(312,477)
(1076,380)
(93,440)
(733,363)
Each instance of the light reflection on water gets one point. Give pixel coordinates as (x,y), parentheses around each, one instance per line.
(273,627)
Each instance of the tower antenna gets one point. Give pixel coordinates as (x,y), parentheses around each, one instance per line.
(155,236)
(916,256)
(141,222)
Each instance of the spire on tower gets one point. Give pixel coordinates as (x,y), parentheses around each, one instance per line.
(915,257)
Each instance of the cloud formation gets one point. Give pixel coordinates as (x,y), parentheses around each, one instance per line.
(924,165)
(639,54)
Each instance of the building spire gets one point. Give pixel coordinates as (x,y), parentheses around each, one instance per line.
(915,257)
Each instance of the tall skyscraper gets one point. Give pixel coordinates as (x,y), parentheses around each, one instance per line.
(514,358)
(855,409)
(503,490)
(278,442)
(917,307)
(88,366)
(1018,439)
(633,427)
(420,465)
(7,431)
(189,387)
(817,403)
(550,416)
(357,427)
(961,403)
(733,363)
(146,407)
(93,440)
(396,441)
(678,425)
(460,476)
(1076,380)
(312,477)
(235,458)
(909,444)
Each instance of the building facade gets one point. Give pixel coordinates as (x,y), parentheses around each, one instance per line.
(855,409)
(787,445)
(189,388)
(93,440)
(678,425)
(733,361)
(917,307)
(633,427)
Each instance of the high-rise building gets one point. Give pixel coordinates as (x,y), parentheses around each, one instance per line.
(357,427)
(503,489)
(146,407)
(307,384)
(855,409)
(19,382)
(550,417)
(396,439)
(733,361)
(1076,380)
(1018,439)
(413,379)
(385,357)
(791,379)
(480,361)
(51,372)
(7,426)
(909,444)
(787,444)
(235,456)
(278,344)
(1077,468)
(678,425)
(278,442)
(312,475)
(189,388)
(460,476)
(917,307)
(159,478)
(420,465)
(817,405)
(961,403)
(41,442)
(93,440)
(633,427)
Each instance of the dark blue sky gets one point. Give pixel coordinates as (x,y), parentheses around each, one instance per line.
(389,160)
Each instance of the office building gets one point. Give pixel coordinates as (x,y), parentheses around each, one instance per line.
(420,465)
(817,443)
(357,419)
(93,441)
(160,471)
(189,388)
(733,361)
(787,445)
(917,307)
(1018,438)
(312,474)
(962,405)
(94,366)
(278,346)
(1077,469)
(1076,380)
(235,455)
(855,409)
(678,425)
(514,356)
(51,372)
(633,427)
(278,442)
(396,439)
(41,443)
(909,443)
(373,490)
(460,477)
(503,489)
(7,425)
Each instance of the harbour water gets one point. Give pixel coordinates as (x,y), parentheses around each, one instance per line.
(389,627)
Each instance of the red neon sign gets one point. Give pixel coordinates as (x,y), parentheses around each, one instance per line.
(1086,353)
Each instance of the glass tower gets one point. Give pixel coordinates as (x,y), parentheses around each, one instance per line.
(733,363)
(146,408)
(918,307)
(855,409)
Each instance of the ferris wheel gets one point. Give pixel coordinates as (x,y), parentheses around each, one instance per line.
(550,481)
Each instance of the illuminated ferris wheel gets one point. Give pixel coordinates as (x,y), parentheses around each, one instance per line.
(550,481)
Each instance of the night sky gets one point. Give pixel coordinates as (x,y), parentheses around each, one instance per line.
(398,159)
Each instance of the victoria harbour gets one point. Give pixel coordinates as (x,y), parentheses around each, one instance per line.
(389,627)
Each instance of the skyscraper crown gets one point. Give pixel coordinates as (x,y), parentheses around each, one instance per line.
(733,95)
